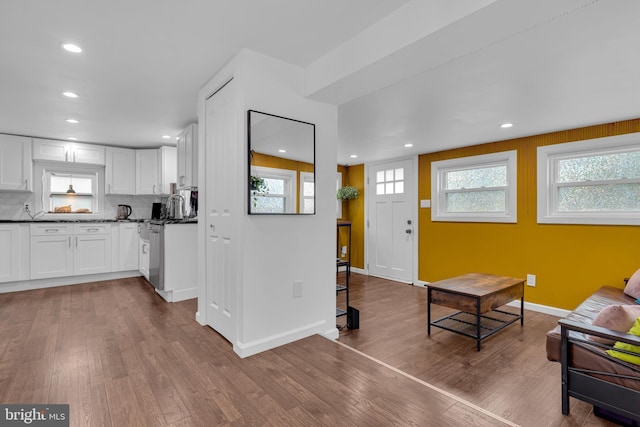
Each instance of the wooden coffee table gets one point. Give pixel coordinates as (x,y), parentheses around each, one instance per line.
(477,296)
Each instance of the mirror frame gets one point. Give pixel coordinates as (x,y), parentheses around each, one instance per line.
(249,155)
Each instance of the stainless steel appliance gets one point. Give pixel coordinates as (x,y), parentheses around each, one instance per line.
(123,212)
(175,207)
(156,255)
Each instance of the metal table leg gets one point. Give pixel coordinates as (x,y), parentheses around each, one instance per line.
(478,329)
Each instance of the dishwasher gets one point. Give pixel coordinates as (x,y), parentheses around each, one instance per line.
(156,255)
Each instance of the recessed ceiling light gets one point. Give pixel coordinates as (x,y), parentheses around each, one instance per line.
(72,138)
(409,145)
(70,94)
(354,156)
(166,137)
(71,47)
(506,125)
(282,151)
(74,121)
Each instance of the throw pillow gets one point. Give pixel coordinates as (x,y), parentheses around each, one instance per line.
(635,330)
(618,318)
(633,285)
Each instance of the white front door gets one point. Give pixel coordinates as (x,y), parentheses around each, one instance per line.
(221,126)
(391,222)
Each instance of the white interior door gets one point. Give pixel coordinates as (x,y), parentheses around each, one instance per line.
(221,129)
(391,222)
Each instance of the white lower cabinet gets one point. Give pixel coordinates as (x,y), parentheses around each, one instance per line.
(124,242)
(14,252)
(59,250)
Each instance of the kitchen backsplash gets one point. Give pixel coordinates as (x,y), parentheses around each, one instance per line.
(12,205)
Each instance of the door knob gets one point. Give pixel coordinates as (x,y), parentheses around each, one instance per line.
(408,231)
(409,222)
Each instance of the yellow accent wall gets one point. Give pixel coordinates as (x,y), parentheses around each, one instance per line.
(569,261)
(353,210)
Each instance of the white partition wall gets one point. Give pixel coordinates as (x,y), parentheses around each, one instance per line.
(248,263)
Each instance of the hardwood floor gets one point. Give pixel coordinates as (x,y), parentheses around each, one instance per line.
(509,377)
(121,356)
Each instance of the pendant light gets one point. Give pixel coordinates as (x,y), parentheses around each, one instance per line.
(71,190)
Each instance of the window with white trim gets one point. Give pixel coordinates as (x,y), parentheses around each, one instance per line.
(390,181)
(280,193)
(475,189)
(307,193)
(590,182)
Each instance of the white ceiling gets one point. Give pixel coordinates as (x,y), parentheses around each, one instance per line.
(544,65)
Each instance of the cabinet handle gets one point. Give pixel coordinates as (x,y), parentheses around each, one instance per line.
(109,188)
(69,241)
(74,156)
(51,230)
(154,189)
(26,184)
(76,241)
(66,156)
(92,230)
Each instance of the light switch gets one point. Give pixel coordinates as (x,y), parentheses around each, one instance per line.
(425,203)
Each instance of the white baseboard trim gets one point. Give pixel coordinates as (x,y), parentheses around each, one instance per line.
(27,285)
(359,271)
(254,347)
(179,295)
(199,318)
(421,283)
(553,311)
(332,334)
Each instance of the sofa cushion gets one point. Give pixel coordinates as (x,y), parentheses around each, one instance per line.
(615,317)
(633,285)
(585,313)
(635,330)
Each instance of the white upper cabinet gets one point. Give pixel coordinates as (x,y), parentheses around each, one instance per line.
(147,172)
(120,171)
(72,152)
(15,163)
(155,170)
(167,167)
(188,157)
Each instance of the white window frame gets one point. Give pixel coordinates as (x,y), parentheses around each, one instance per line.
(439,170)
(290,187)
(306,177)
(41,205)
(548,157)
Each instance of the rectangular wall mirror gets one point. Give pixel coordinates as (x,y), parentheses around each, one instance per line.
(281,165)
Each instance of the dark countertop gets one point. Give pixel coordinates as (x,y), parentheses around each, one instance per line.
(174,221)
(89,221)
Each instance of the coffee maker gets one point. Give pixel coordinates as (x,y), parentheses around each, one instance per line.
(156,210)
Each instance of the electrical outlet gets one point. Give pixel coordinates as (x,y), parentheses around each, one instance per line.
(531,280)
(297,289)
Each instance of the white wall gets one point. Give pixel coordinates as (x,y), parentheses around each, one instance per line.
(278,250)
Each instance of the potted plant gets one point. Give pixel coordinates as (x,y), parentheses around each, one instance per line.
(347,193)
(257,186)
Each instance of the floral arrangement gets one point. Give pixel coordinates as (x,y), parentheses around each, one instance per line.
(347,193)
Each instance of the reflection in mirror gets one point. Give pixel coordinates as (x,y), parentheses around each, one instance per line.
(281,165)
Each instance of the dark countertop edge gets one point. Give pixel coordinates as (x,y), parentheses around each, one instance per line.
(72,221)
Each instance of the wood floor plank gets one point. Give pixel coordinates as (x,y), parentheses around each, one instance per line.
(505,377)
(120,355)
